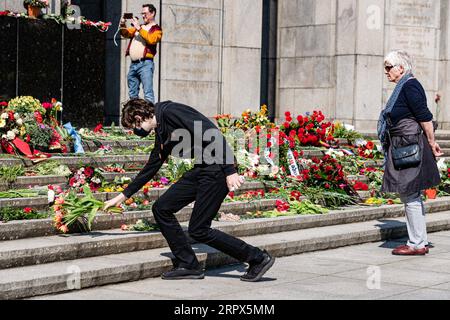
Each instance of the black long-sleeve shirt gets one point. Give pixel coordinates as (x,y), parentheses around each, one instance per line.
(171,116)
(411,103)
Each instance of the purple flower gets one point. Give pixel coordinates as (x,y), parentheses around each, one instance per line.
(42,126)
(164,181)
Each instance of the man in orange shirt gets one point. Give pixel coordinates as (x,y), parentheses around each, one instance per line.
(142,50)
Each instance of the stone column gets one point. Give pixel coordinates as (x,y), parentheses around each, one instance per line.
(444,66)
(191,53)
(241,66)
(360,32)
(307,46)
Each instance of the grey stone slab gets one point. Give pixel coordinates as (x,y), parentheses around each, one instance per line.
(202,95)
(193,62)
(211,4)
(308,263)
(425,264)
(394,275)
(326,287)
(315,41)
(443,286)
(242,23)
(422,294)
(99,294)
(192,25)
(412,13)
(241,66)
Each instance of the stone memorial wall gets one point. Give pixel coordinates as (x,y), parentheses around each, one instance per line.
(329,57)
(348,42)
(210,56)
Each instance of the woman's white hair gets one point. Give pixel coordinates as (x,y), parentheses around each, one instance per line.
(400,58)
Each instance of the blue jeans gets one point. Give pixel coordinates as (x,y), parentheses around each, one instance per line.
(141,72)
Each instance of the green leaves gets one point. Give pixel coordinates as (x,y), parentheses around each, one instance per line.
(10,174)
(80,210)
(10,214)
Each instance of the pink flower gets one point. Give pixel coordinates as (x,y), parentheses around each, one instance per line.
(164,181)
(47,105)
(64,228)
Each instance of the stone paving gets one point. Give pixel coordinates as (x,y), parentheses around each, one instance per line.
(344,273)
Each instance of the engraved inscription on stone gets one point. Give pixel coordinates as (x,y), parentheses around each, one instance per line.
(191,25)
(423,13)
(419,42)
(191,62)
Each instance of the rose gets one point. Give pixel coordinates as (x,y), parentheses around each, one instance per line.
(19,122)
(27,210)
(4,116)
(10,135)
(89,172)
(47,105)
(38,116)
(98,128)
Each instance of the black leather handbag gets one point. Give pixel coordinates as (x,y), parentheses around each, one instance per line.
(405,157)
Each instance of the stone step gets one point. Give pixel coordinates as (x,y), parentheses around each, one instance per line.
(29,281)
(68,247)
(44,227)
(439,135)
(91,146)
(34,181)
(41,202)
(81,160)
(72,160)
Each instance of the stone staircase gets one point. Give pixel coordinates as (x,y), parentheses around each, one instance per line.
(35,260)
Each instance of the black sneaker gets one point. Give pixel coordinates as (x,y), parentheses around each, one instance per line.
(183,274)
(256,271)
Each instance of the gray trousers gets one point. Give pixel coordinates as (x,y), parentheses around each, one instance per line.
(415,220)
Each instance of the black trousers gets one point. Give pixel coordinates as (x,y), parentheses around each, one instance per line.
(208,188)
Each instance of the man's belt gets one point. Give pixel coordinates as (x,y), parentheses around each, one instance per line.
(141,60)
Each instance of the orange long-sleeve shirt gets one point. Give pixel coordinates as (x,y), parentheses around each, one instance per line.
(151,38)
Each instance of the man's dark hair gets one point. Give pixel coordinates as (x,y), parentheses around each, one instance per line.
(136,107)
(150,7)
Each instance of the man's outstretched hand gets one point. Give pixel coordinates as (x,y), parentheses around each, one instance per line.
(234,182)
(114,202)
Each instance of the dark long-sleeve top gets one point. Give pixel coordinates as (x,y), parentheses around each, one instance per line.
(171,116)
(411,103)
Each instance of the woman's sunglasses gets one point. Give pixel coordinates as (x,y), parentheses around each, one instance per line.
(388,68)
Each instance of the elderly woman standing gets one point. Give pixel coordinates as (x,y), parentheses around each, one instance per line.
(407,121)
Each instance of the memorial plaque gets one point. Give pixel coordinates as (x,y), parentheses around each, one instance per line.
(8,57)
(191,25)
(190,62)
(211,4)
(417,41)
(418,13)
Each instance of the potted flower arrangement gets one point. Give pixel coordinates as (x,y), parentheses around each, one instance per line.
(34,7)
